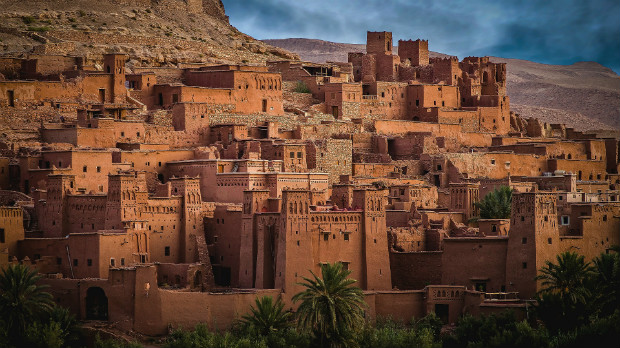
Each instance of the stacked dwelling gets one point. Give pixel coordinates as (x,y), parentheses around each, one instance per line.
(163,191)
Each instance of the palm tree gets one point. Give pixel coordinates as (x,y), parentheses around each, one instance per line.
(606,281)
(22,301)
(331,307)
(567,278)
(267,317)
(497,204)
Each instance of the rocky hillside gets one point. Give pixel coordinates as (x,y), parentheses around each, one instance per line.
(152,32)
(585,95)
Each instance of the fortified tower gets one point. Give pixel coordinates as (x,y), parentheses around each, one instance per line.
(533,239)
(415,52)
(376,257)
(54,221)
(254,201)
(379,42)
(115,64)
(189,189)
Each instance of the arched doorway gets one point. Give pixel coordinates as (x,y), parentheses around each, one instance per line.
(96,304)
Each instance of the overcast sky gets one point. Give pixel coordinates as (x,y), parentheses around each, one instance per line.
(545,31)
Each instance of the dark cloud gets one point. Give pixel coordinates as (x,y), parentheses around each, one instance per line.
(547,31)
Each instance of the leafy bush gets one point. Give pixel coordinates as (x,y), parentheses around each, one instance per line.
(113,343)
(28,19)
(39,29)
(497,330)
(301,88)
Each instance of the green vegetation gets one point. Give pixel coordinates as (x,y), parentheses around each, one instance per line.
(29,317)
(113,343)
(331,308)
(579,292)
(28,19)
(497,204)
(301,87)
(39,29)
(268,316)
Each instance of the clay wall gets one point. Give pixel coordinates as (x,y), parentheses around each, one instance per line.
(414,53)
(494,227)
(446,70)
(333,156)
(415,270)
(429,96)
(223,232)
(399,305)
(11,232)
(379,42)
(252,91)
(477,263)
(496,165)
(90,253)
(374,170)
(585,170)
(448,131)
(166,229)
(85,213)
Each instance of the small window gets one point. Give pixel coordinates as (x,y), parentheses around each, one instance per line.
(492,161)
(122,261)
(292,155)
(59,261)
(524,265)
(565,220)
(167,251)
(75,262)
(326,237)
(523,240)
(85,169)
(2,236)
(89,262)
(549,240)
(346,236)
(122,134)
(299,154)
(98,169)
(112,262)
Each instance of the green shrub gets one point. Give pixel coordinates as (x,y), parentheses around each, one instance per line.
(432,322)
(39,29)
(28,19)
(301,88)
(113,343)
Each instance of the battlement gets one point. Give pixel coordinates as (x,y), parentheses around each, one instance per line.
(379,42)
(413,52)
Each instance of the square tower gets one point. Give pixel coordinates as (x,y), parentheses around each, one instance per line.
(379,42)
(414,52)
(115,64)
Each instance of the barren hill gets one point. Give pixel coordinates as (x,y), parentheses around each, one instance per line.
(585,95)
(154,32)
